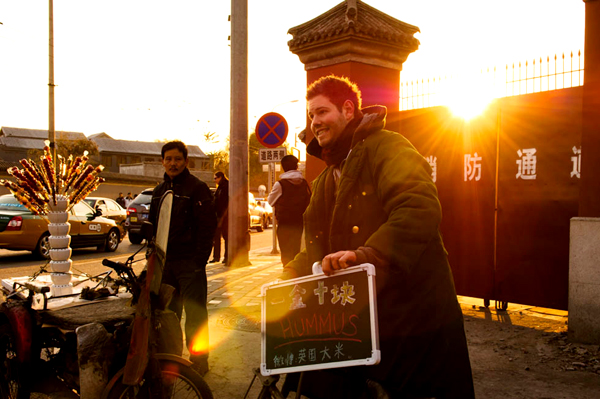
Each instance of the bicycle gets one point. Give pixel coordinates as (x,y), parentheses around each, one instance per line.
(145,362)
(143,366)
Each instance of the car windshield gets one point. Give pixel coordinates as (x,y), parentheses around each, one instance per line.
(143,198)
(90,201)
(9,202)
(83,209)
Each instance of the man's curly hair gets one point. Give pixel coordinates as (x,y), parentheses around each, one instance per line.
(337,90)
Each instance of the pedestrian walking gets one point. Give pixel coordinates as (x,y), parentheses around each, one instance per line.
(221,206)
(290,197)
(191,231)
(128,200)
(376,203)
(121,200)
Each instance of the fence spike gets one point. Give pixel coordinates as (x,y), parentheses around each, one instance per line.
(579,53)
(563,56)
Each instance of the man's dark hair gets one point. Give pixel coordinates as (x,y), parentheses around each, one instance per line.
(175,144)
(220,174)
(289,162)
(337,90)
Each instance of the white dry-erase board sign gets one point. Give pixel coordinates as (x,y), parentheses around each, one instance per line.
(318,322)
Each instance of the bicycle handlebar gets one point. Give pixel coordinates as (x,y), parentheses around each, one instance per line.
(119,267)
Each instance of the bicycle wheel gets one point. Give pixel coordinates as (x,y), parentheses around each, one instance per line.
(178,381)
(12,373)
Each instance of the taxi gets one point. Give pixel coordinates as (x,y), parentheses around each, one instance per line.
(21,230)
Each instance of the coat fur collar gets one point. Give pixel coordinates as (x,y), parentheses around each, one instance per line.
(373,120)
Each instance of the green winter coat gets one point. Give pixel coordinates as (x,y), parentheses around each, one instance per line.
(386,199)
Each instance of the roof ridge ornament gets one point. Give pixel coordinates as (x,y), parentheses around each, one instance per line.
(351,12)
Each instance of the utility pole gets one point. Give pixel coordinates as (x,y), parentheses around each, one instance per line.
(239,236)
(51,133)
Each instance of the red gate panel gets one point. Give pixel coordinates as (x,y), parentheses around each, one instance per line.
(463,157)
(538,179)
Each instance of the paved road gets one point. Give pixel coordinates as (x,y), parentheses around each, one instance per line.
(23,263)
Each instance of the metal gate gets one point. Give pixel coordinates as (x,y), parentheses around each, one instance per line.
(508,182)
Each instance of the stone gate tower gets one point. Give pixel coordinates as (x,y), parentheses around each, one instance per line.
(361,43)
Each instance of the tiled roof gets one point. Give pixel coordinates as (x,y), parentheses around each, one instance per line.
(17,132)
(20,138)
(353,17)
(139,147)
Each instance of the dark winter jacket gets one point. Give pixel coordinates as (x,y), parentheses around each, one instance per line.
(222,198)
(385,200)
(193,218)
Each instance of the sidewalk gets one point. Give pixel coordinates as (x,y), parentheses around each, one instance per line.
(522,352)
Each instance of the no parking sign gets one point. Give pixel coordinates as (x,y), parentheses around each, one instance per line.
(271,130)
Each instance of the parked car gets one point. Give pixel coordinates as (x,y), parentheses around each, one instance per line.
(268,210)
(22,230)
(111,210)
(259,219)
(257,216)
(137,212)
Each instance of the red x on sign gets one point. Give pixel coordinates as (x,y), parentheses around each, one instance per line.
(271,130)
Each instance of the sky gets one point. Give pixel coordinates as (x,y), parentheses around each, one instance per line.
(153,70)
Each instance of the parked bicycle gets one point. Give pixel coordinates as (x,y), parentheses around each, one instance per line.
(39,348)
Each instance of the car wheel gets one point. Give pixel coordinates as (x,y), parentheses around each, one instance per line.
(42,249)
(259,228)
(112,241)
(135,238)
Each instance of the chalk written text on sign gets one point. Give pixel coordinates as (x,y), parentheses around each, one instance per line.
(319,322)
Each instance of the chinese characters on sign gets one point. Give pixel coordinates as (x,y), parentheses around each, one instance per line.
(343,326)
(576,159)
(433,163)
(266,155)
(527,164)
(320,322)
(472,167)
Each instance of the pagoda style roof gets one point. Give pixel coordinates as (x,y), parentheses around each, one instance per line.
(357,21)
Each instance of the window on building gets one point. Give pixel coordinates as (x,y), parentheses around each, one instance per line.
(191,163)
(122,159)
(136,159)
(107,161)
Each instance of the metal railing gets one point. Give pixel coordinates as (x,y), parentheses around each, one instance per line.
(519,78)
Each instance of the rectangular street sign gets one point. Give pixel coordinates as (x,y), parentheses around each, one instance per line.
(267,155)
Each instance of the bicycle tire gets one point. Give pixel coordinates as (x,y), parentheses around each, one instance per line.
(183,381)
(13,378)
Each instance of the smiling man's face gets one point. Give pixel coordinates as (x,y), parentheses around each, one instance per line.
(174,162)
(328,122)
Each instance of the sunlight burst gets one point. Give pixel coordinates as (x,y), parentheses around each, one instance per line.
(469,98)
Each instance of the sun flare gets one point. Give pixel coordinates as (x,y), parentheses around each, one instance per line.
(469,99)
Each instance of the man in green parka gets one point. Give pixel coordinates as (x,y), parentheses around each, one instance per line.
(376,203)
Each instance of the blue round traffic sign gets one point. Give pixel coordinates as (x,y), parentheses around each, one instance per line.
(271,130)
